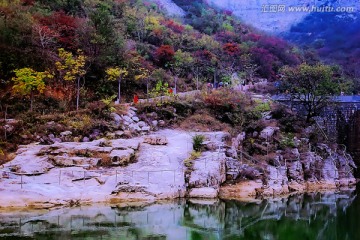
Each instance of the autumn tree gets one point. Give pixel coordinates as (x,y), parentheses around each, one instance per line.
(60,27)
(231,60)
(207,62)
(72,68)
(144,73)
(27,82)
(165,55)
(15,32)
(116,74)
(43,36)
(266,61)
(182,63)
(311,86)
(105,34)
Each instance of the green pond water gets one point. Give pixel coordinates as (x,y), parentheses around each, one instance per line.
(309,216)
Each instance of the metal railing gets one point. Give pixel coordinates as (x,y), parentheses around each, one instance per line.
(63,176)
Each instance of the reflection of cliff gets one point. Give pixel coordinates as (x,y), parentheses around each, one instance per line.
(298,217)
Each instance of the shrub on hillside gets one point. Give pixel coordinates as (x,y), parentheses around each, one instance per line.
(225,100)
(203,122)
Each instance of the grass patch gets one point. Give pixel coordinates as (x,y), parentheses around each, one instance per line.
(189,162)
(198,141)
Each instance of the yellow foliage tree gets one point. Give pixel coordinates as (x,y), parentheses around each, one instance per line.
(72,68)
(117,74)
(28,81)
(152,22)
(144,74)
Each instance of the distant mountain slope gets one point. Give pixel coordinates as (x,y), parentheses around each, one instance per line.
(254,12)
(260,14)
(333,34)
(336,38)
(170,7)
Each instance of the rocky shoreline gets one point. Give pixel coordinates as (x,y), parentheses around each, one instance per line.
(156,165)
(151,168)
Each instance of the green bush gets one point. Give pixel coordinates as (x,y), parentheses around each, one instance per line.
(256,112)
(262,107)
(198,142)
(287,141)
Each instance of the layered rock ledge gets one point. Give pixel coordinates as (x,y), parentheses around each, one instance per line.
(152,167)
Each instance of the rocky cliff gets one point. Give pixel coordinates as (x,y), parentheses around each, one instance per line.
(169,7)
(161,165)
(274,16)
(319,169)
(258,13)
(152,167)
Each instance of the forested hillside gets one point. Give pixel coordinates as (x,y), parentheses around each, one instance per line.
(334,37)
(68,46)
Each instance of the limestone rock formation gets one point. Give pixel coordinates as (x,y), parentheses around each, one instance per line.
(156,140)
(325,169)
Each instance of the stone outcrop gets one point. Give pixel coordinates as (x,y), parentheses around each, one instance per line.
(119,170)
(170,8)
(153,167)
(156,140)
(268,132)
(324,169)
(39,159)
(208,173)
(130,122)
(122,157)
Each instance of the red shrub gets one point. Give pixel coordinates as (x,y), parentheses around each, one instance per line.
(164,55)
(231,49)
(65,26)
(176,27)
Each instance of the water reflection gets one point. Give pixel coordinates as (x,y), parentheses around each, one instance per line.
(309,216)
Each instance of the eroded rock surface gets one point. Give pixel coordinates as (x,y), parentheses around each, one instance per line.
(69,171)
(322,170)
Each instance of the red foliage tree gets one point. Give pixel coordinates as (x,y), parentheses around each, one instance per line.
(65,26)
(176,27)
(252,37)
(164,55)
(204,55)
(231,49)
(227,36)
(28,2)
(266,61)
(280,49)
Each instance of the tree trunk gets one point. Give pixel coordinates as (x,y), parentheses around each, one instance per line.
(119,95)
(78,94)
(31,101)
(5,115)
(215,78)
(175,92)
(197,83)
(309,116)
(197,78)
